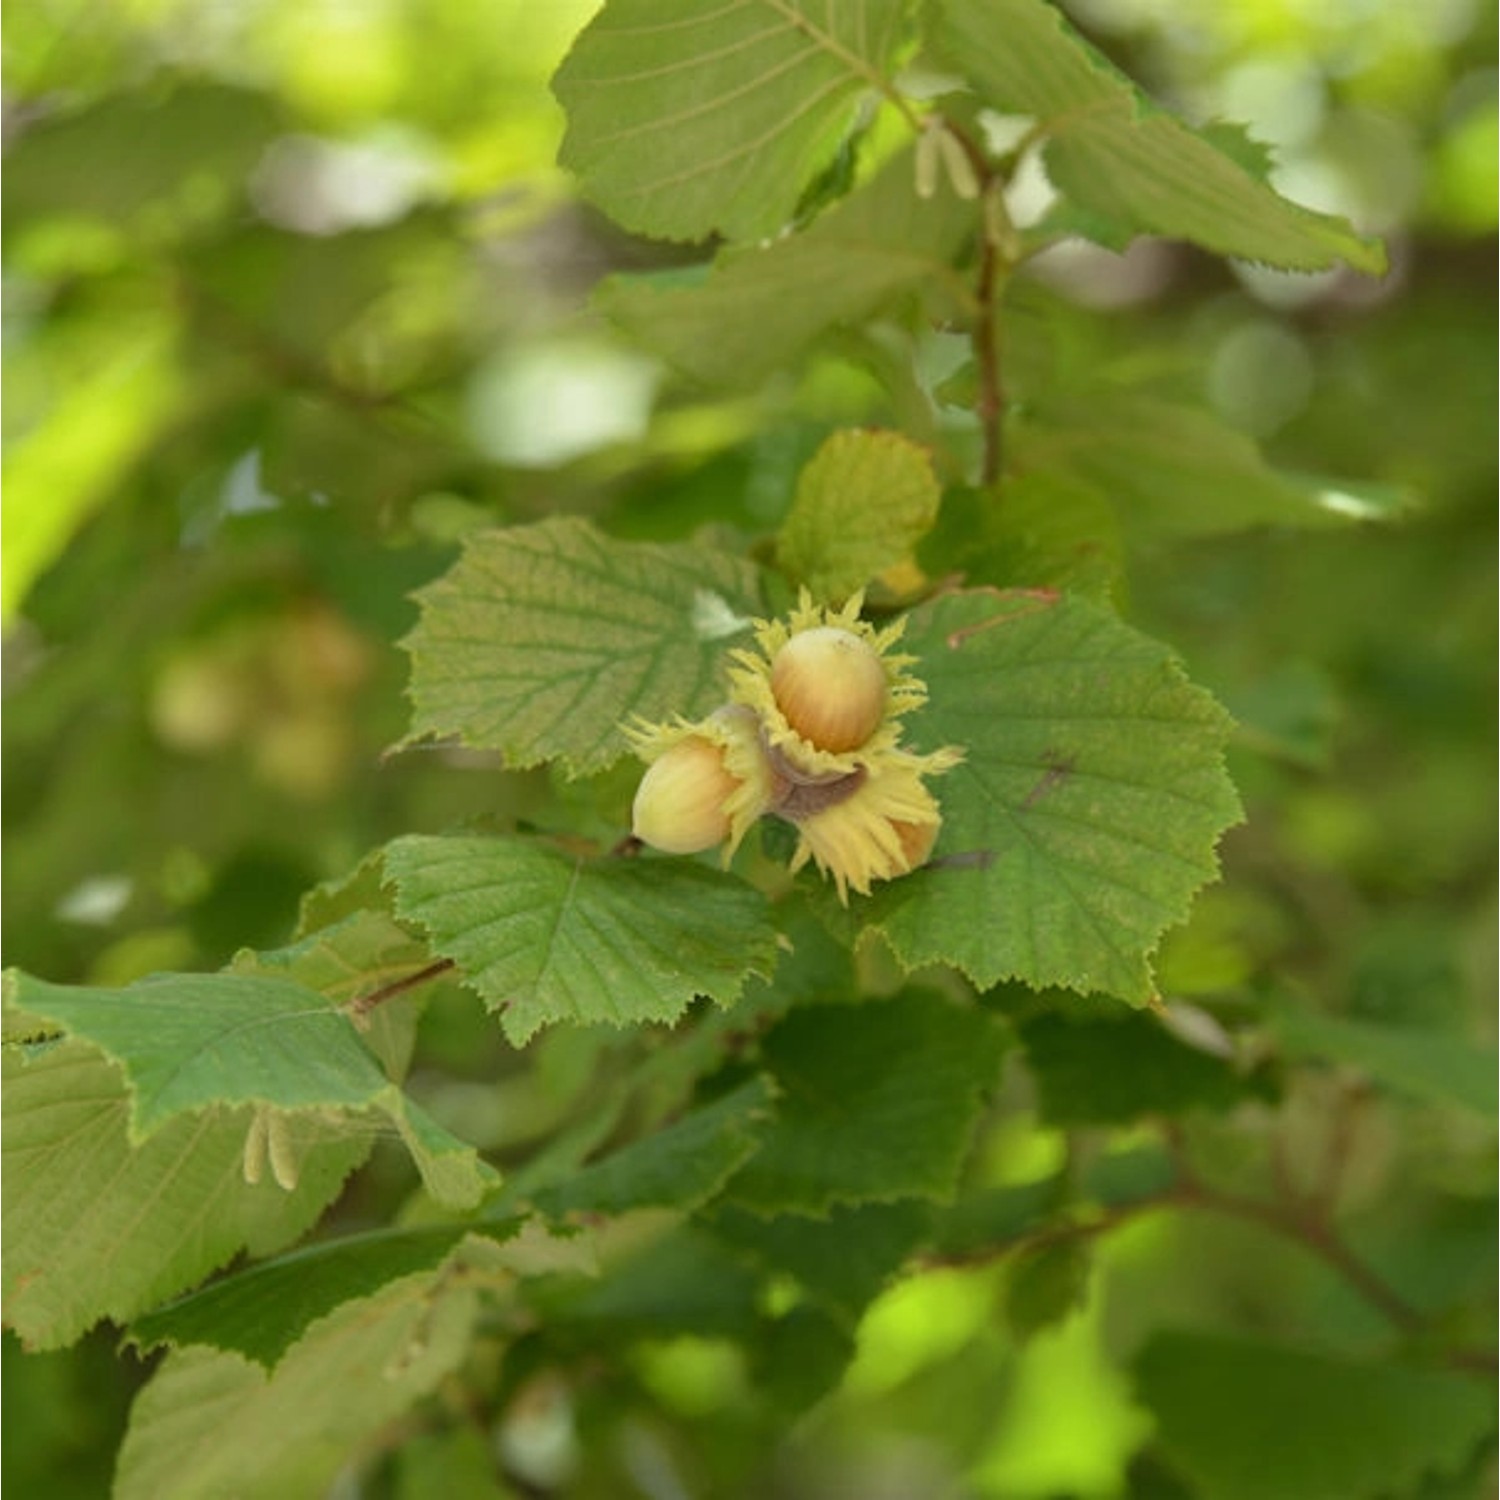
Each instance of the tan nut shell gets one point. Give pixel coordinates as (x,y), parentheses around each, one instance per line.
(680,803)
(831,685)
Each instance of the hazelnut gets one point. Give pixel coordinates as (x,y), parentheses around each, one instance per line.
(831,686)
(680,803)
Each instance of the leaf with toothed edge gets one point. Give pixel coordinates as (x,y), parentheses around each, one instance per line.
(1115,154)
(545,936)
(541,640)
(713,115)
(1088,805)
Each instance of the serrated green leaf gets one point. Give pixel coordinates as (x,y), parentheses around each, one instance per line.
(862,503)
(97,1227)
(264,1310)
(877,1103)
(1434,1066)
(188,1041)
(1247,1420)
(1086,810)
(1117,155)
(678,1167)
(1115,1069)
(759,308)
(709,117)
(194,1042)
(1178,470)
(211,1424)
(545,936)
(1046,1283)
(843,1261)
(351,956)
(682,1283)
(543,639)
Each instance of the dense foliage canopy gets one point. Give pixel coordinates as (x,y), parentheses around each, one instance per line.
(1080,1082)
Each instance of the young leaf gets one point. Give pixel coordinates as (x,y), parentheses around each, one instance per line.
(877,1103)
(546,936)
(97,1227)
(1086,810)
(211,1424)
(677,1167)
(542,639)
(862,503)
(1118,156)
(759,308)
(710,117)
(199,1041)
(1246,1420)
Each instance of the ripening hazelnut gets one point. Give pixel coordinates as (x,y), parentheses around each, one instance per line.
(680,805)
(831,686)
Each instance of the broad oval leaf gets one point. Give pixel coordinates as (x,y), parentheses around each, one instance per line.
(759,307)
(707,116)
(1085,813)
(542,639)
(98,1227)
(546,936)
(1120,157)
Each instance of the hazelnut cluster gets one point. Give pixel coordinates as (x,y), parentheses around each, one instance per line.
(811,735)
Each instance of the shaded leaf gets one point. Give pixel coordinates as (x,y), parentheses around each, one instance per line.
(261,1312)
(1120,157)
(709,116)
(759,308)
(1115,1069)
(682,1283)
(862,503)
(1086,810)
(545,936)
(1246,1419)
(843,1262)
(542,639)
(877,1102)
(677,1167)
(1046,1283)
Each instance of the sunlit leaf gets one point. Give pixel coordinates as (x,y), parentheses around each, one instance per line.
(98,1227)
(1119,156)
(1085,813)
(546,936)
(711,116)
(211,1423)
(543,639)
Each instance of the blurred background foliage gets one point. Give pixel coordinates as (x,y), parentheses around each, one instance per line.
(295,296)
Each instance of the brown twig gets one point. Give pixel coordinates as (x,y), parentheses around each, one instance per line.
(361,1005)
